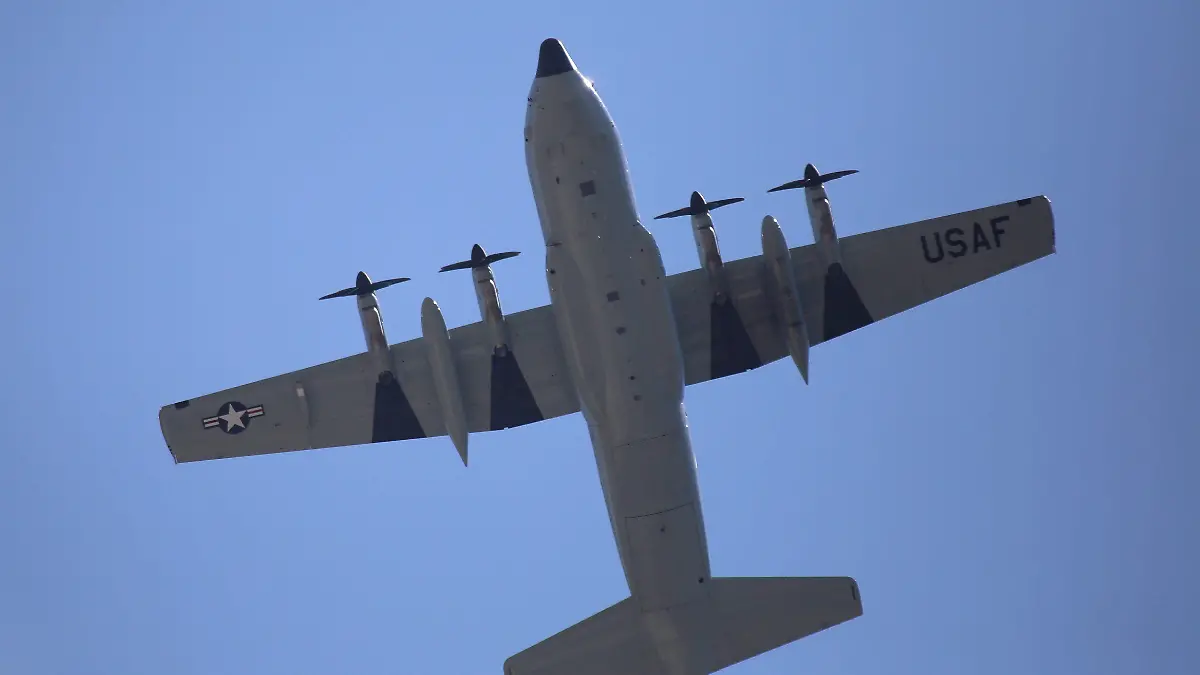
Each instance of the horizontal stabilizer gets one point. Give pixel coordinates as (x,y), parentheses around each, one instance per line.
(739,618)
(758,614)
(611,641)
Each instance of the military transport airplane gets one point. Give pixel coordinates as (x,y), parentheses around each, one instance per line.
(618,342)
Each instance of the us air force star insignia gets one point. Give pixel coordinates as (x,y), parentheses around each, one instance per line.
(233,417)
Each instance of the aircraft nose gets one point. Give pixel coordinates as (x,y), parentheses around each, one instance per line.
(811,173)
(553,59)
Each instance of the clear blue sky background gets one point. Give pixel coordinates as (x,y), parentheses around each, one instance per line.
(1009,472)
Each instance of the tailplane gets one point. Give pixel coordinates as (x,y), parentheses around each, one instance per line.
(739,618)
(758,614)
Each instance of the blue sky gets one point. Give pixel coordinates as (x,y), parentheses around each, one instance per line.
(1008,471)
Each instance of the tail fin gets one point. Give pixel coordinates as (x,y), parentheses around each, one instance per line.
(740,618)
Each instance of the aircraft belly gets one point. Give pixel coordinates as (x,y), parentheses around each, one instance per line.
(607,285)
(668,565)
(656,515)
(608,289)
(616,312)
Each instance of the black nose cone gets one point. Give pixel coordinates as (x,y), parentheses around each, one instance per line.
(477,254)
(811,173)
(553,59)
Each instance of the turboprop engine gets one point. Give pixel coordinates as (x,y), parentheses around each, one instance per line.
(819,213)
(486,293)
(705,235)
(372,321)
(843,309)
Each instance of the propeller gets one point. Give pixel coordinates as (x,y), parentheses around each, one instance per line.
(364,286)
(812,178)
(480,259)
(698,206)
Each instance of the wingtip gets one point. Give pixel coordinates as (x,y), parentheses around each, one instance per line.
(162,427)
(1050,214)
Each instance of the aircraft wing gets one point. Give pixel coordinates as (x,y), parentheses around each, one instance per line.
(345,402)
(882,273)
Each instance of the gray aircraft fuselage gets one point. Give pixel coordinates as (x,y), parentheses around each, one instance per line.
(609,293)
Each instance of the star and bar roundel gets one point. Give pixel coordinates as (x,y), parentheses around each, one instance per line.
(233,417)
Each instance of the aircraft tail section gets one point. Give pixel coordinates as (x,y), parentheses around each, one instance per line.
(758,614)
(740,617)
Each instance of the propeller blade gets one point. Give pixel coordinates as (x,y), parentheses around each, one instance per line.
(687,211)
(790,186)
(497,257)
(699,206)
(463,265)
(812,178)
(479,258)
(837,174)
(379,285)
(363,286)
(344,293)
(724,202)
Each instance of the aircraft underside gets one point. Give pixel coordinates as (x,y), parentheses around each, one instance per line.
(618,343)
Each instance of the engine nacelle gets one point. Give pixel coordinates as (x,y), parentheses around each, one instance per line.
(373,333)
(821,217)
(709,252)
(819,213)
(486,294)
(783,289)
(372,321)
(706,240)
(488,297)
